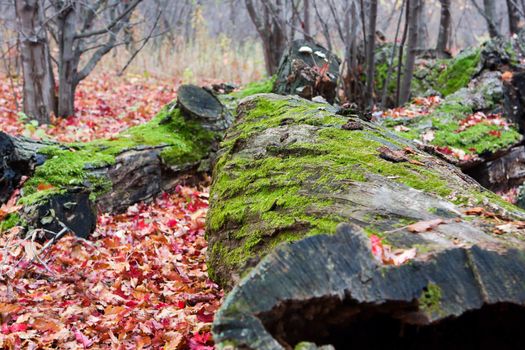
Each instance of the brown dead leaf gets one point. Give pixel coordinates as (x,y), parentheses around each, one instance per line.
(424,226)
(474,211)
(391,155)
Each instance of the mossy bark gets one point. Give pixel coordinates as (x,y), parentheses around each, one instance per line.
(289,172)
(70,183)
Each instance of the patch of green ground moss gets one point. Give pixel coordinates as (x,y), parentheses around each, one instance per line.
(459,72)
(475,139)
(445,122)
(67,166)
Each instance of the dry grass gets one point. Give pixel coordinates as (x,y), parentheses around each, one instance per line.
(203,58)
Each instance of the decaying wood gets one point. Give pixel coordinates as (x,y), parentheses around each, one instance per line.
(138,173)
(330,288)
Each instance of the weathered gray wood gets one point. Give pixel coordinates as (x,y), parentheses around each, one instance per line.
(289,171)
(321,288)
(199,104)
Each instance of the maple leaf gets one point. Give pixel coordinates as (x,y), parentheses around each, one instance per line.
(424,226)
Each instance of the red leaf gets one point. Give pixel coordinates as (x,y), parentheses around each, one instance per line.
(18,327)
(172,223)
(204,316)
(377,247)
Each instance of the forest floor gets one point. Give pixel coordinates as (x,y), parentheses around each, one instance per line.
(140,281)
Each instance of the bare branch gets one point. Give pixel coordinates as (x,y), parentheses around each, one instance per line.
(113,23)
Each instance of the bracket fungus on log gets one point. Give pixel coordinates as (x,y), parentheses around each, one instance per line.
(69,183)
(288,174)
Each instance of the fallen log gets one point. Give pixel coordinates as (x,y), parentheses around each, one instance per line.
(69,184)
(351,236)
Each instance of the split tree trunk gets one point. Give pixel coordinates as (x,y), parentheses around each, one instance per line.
(271,27)
(290,171)
(39,84)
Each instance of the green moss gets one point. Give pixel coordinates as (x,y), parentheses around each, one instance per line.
(257,87)
(10,221)
(67,166)
(459,72)
(268,200)
(479,138)
(430,300)
(445,121)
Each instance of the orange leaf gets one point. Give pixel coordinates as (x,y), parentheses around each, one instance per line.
(44,186)
(45,325)
(423,226)
(9,308)
(112,310)
(507,76)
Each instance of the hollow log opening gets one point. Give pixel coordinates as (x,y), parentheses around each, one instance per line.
(351,325)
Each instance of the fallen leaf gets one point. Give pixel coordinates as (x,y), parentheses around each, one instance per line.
(507,76)
(424,226)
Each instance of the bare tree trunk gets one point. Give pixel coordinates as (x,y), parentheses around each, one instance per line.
(514,17)
(490,16)
(422,38)
(271,29)
(39,83)
(401,50)
(444,27)
(306,21)
(371,54)
(68,63)
(414,10)
(392,57)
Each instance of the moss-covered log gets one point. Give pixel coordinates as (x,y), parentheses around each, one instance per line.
(289,172)
(70,183)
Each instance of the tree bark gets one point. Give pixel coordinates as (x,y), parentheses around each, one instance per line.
(271,28)
(412,49)
(444,28)
(306,20)
(39,83)
(514,17)
(68,61)
(370,64)
(490,17)
(289,173)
